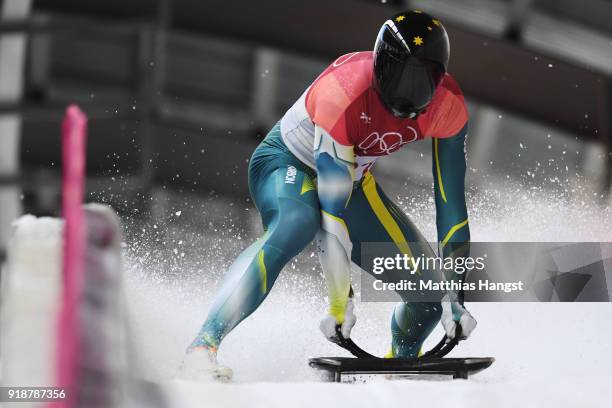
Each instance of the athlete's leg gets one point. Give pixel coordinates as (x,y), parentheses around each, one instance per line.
(290,214)
(373,217)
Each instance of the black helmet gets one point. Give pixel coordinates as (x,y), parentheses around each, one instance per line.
(410,60)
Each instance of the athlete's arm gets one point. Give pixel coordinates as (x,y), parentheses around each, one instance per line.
(335,175)
(449,167)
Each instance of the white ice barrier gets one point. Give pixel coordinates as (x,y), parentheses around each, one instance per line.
(29,302)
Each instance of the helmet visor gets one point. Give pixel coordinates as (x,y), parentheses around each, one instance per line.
(406,83)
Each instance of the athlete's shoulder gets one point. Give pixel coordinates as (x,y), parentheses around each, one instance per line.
(450,84)
(448,113)
(341,84)
(353,72)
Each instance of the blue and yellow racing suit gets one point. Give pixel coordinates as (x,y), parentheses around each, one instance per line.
(312,176)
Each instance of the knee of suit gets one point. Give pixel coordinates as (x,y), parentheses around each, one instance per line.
(294,228)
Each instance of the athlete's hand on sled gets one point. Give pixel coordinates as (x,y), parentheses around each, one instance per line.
(453,314)
(329,323)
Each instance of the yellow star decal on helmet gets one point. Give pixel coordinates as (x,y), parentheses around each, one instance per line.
(418,40)
(436,22)
(400,18)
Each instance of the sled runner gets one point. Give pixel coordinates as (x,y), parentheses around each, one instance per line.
(337,368)
(431,363)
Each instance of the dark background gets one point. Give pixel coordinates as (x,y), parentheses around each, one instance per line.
(180,92)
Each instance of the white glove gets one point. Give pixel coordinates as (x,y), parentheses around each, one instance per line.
(329,323)
(453,313)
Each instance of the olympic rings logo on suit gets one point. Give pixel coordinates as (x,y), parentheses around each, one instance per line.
(386,143)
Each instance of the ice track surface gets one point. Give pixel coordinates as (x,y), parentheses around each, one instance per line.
(547,355)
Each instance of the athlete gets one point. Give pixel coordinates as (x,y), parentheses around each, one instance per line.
(311,176)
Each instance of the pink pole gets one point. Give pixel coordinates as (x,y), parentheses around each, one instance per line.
(74,141)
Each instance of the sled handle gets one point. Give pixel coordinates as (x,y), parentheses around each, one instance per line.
(444,346)
(441,349)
